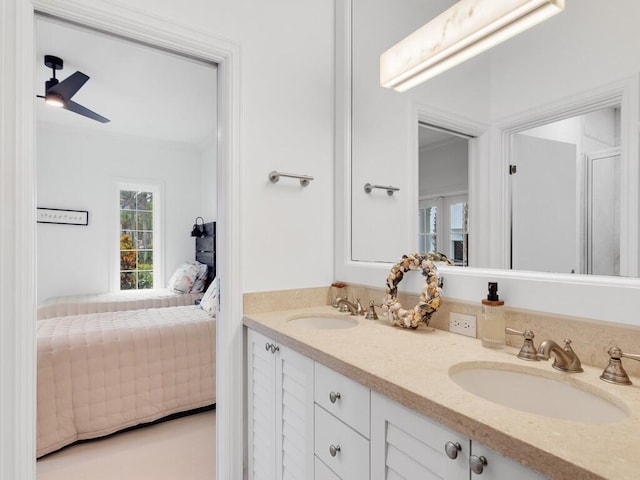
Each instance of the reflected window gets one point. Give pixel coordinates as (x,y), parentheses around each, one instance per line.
(445,232)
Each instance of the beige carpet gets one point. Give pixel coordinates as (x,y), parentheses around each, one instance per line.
(182,449)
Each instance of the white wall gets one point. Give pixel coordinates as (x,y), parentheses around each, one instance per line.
(444,169)
(591,44)
(77,171)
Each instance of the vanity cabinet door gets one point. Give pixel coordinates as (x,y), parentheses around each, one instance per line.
(499,467)
(280,411)
(406,445)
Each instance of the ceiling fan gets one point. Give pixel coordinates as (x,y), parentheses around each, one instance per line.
(59,93)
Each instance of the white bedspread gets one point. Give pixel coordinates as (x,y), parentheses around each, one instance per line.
(103,372)
(114,302)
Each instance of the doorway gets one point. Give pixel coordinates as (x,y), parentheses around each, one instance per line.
(170,141)
(565,181)
(443,192)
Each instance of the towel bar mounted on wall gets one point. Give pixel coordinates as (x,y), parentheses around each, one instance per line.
(275,176)
(368,187)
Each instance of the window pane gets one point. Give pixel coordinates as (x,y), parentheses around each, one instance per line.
(144,240)
(127,281)
(127,200)
(144,220)
(127,260)
(145,260)
(457,216)
(144,201)
(422,215)
(145,279)
(127,218)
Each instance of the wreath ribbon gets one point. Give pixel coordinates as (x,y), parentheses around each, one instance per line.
(430,298)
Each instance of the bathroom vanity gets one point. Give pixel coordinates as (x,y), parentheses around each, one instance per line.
(372,401)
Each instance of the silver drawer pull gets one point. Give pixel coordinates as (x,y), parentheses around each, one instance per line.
(267,346)
(334,397)
(452,449)
(334,449)
(274,348)
(477,464)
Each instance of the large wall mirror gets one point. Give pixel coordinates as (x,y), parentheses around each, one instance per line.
(558,101)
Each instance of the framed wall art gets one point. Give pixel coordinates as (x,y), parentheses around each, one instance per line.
(62,217)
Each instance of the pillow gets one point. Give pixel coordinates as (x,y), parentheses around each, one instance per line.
(183,278)
(209,302)
(201,279)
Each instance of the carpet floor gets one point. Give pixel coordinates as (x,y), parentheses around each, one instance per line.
(182,448)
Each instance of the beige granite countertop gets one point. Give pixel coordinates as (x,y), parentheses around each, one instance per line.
(412,367)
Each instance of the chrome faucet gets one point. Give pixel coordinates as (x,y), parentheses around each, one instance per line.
(354,308)
(565,359)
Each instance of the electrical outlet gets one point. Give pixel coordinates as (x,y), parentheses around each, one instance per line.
(462,324)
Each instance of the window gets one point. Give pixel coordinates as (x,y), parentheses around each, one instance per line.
(138,237)
(442,227)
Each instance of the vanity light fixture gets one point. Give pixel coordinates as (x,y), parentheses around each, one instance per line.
(464,30)
(198,228)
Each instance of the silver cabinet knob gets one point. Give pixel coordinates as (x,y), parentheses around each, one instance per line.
(452,449)
(477,464)
(267,346)
(334,397)
(334,449)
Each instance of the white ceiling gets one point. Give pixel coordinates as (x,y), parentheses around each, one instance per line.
(145,92)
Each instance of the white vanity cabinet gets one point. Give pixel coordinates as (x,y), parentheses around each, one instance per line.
(341,426)
(280,411)
(308,422)
(407,445)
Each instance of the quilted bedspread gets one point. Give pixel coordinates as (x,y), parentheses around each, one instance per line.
(102,372)
(114,302)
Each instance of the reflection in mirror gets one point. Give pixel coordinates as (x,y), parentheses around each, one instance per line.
(565,195)
(548,73)
(443,192)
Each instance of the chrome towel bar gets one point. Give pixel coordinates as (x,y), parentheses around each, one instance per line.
(368,187)
(275,176)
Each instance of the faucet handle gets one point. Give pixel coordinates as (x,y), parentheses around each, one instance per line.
(614,372)
(371,311)
(528,351)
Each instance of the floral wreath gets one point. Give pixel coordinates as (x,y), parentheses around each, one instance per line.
(430,298)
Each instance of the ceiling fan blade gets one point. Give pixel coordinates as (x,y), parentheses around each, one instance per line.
(77,108)
(68,87)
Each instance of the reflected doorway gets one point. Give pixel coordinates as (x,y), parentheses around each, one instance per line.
(443,192)
(565,195)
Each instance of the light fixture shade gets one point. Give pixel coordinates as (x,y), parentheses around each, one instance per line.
(466,29)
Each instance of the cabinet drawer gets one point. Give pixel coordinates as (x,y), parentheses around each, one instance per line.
(352,460)
(352,406)
(322,472)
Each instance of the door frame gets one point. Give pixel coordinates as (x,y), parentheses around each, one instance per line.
(17,249)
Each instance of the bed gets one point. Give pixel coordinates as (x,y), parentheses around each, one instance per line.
(114,302)
(102,372)
(205,254)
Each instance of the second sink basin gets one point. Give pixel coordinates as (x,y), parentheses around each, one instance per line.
(325,323)
(530,392)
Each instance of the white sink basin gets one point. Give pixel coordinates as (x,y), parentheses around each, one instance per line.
(325,323)
(530,392)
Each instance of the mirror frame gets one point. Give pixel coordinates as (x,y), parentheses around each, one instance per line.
(583,296)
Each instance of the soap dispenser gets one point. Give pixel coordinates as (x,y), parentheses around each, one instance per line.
(492,324)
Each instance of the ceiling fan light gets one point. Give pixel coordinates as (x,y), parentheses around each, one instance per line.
(54,100)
